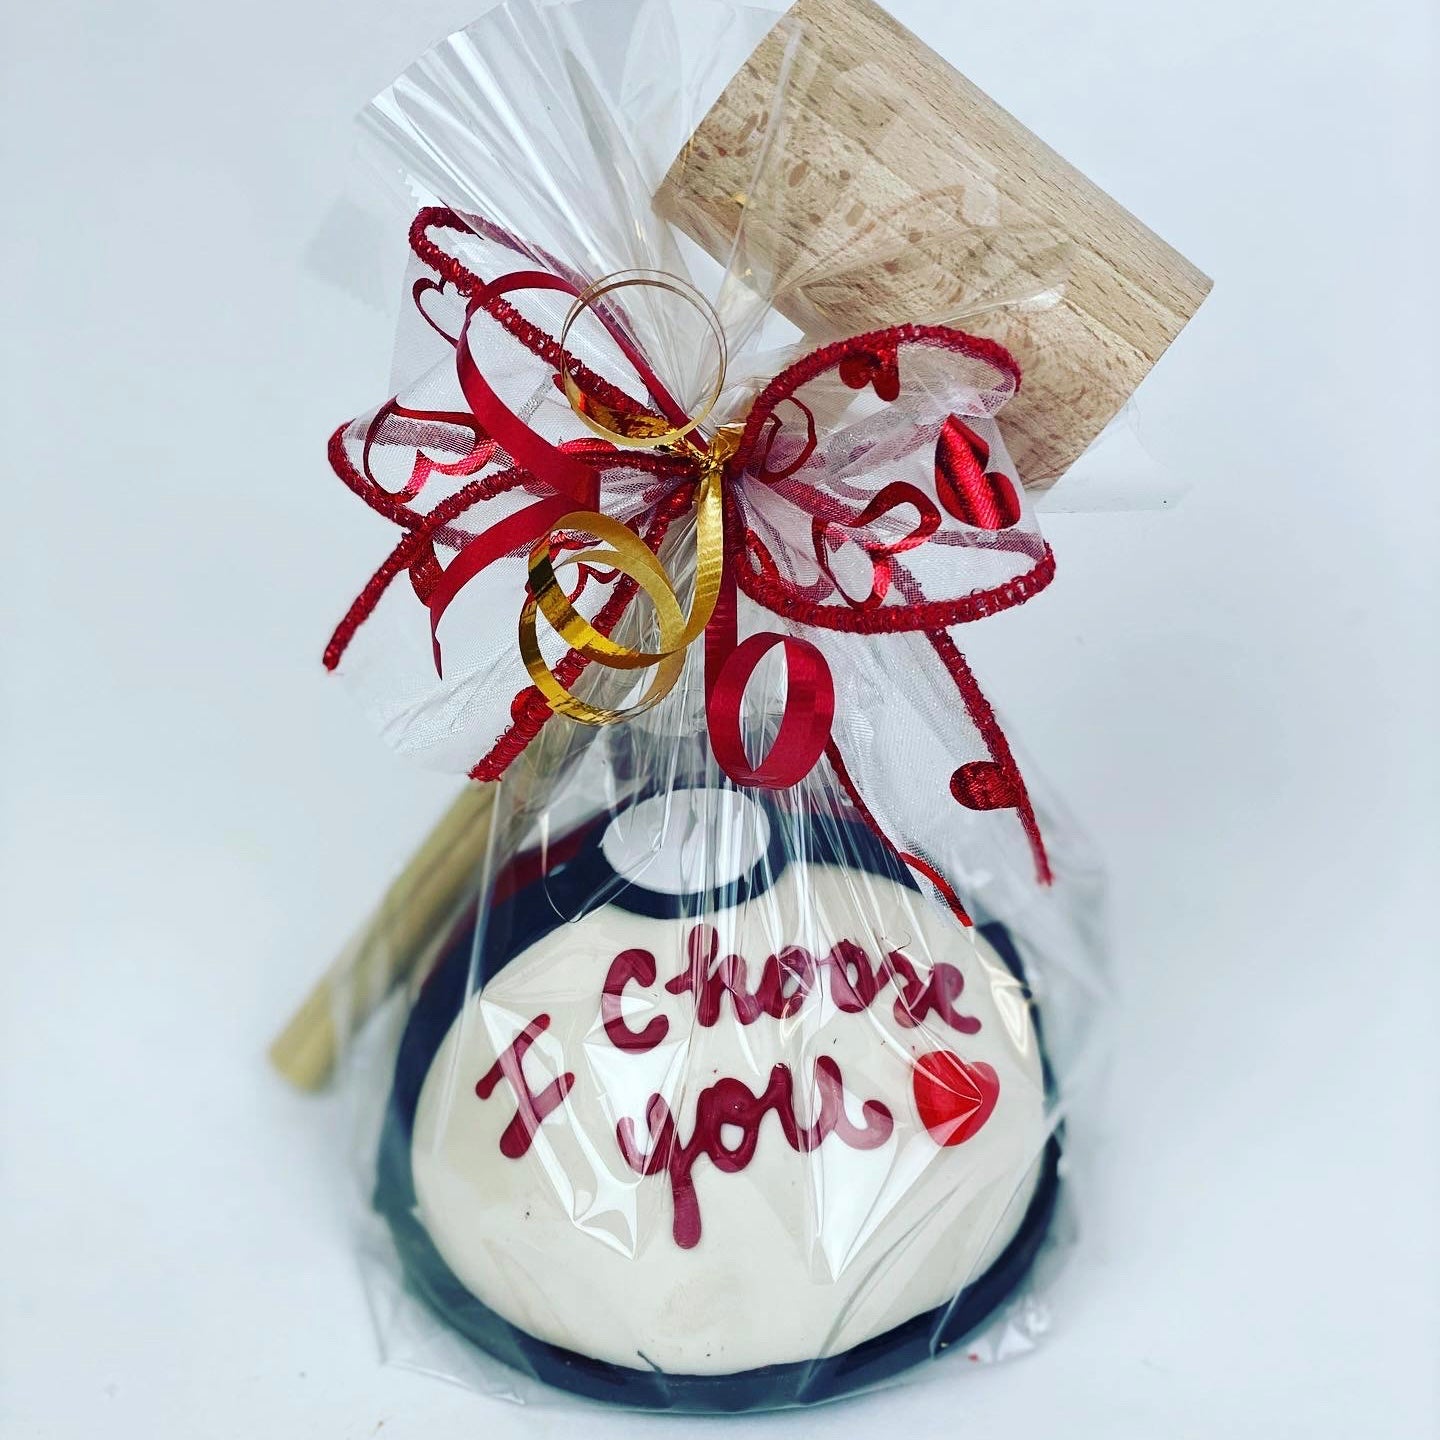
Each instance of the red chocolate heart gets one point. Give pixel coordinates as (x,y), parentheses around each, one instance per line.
(954,1096)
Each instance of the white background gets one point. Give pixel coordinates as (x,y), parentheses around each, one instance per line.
(1238,694)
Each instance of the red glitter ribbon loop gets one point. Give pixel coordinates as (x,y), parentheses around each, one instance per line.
(573,477)
(835,502)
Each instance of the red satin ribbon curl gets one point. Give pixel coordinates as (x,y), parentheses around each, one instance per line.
(573,478)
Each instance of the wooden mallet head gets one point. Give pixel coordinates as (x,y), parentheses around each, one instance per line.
(902,193)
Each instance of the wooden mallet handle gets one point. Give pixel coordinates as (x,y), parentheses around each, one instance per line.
(399,938)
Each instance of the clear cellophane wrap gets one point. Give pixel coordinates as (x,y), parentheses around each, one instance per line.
(738,1081)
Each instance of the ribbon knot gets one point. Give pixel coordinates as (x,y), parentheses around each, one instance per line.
(628,555)
(570,470)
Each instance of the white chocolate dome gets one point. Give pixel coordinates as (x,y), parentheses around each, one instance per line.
(839,1226)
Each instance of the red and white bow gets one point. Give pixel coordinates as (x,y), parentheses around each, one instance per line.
(870,509)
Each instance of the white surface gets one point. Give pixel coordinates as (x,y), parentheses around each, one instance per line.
(797,1256)
(1238,695)
(661,841)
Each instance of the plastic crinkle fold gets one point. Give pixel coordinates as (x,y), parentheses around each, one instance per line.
(738,1083)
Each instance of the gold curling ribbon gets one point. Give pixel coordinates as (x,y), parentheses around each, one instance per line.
(627,553)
